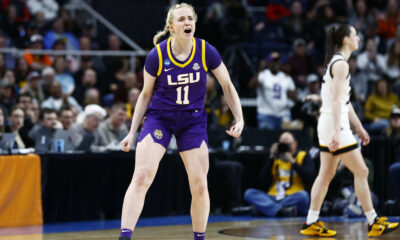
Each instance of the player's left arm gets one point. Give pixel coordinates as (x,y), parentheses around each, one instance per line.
(232,98)
(355,121)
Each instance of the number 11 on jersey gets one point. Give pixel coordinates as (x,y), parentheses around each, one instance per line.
(185,95)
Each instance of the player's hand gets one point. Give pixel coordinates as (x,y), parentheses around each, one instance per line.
(363,135)
(334,145)
(127,142)
(236,129)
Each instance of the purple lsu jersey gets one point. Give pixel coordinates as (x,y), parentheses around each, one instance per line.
(180,85)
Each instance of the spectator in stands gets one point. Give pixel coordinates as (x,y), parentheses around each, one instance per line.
(66,117)
(42,133)
(37,62)
(222,113)
(393,130)
(358,81)
(88,129)
(2,125)
(21,71)
(92,96)
(361,18)
(34,111)
(63,76)
(57,99)
(6,96)
(89,80)
(49,8)
(275,92)
(3,66)
(388,21)
(301,63)
(10,77)
(113,129)
(393,63)
(58,32)
(24,101)
(133,96)
(8,58)
(313,85)
(371,62)
(33,86)
(48,77)
(130,81)
(296,24)
(88,30)
(379,105)
(85,44)
(22,14)
(16,119)
(9,23)
(285,177)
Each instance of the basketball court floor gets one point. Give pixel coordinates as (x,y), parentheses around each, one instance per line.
(179,228)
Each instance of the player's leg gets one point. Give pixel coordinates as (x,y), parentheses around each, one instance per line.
(197,164)
(152,144)
(148,156)
(327,171)
(355,162)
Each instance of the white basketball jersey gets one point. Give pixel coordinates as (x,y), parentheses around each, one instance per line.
(326,88)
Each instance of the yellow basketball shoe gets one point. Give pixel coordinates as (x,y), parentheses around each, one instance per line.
(381,226)
(317,229)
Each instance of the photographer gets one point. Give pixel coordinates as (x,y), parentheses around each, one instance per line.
(286,175)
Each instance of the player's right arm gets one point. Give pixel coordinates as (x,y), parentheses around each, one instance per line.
(152,69)
(340,70)
(140,109)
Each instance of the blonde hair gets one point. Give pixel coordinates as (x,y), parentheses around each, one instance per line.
(170,17)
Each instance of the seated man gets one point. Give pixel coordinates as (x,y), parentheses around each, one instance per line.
(42,133)
(88,130)
(113,129)
(286,175)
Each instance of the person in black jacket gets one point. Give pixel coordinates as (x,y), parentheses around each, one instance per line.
(285,175)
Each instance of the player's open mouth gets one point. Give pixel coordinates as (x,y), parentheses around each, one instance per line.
(188,30)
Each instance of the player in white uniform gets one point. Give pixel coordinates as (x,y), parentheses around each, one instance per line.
(336,140)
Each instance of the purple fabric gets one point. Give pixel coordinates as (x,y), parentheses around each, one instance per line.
(151,63)
(199,236)
(126,233)
(180,87)
(213,59)
(189,128)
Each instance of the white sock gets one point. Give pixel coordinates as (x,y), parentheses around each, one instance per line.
(312,216)
(371,215)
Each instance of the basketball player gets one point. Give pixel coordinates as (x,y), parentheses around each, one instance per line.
(336,139)
(173,101)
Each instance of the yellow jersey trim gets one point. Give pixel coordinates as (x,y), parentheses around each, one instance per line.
(159,60)
(203,54)
(173,60)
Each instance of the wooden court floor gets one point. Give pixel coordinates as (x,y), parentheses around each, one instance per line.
(248,230)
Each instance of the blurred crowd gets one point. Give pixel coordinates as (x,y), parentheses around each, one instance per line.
(285,80)
(41,95)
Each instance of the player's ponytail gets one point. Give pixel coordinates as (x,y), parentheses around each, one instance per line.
(334,40)
(160,34)
(168,21)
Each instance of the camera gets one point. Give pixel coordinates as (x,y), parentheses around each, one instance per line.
(282,148)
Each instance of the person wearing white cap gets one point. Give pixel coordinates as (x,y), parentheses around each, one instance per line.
(93,115)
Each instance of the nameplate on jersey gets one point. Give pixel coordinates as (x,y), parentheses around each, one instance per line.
(185,78)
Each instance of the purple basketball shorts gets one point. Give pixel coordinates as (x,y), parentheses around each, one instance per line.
(189,128)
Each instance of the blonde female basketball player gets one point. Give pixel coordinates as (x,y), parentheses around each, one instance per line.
(173,101)
(336,140)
